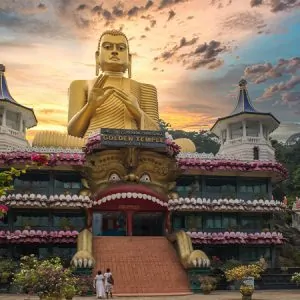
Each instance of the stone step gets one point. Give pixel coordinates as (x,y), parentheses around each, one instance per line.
(141,265)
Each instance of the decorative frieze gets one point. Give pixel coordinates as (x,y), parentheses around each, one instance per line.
(203,204)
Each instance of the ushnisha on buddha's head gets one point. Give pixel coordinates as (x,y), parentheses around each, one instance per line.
(113,52)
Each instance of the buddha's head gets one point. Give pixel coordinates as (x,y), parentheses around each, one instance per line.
(113,52)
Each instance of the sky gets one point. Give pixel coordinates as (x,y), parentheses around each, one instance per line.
(194,52)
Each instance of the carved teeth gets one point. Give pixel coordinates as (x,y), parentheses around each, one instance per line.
(130,195)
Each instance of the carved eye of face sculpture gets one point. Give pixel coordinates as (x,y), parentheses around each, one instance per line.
(145,178)
(114,177)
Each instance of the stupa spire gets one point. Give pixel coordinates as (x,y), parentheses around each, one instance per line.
(244,103)
(4,91)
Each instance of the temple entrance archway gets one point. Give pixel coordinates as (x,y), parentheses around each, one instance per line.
(130,217)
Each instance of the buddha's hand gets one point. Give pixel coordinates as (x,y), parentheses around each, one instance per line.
(130,102)
(98,95)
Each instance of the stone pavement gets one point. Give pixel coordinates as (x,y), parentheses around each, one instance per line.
(222,295)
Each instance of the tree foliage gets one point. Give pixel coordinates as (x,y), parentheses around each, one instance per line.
(7,178)
(204,140)
(289,156)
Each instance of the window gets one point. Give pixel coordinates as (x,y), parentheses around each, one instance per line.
(251,223)
(188,186)
(4,221)
(213,222)
(109,224)
(255,153)
(229,222)
(254,186)
(178,222)
(223,187)
(236,130)
(68,221)
(193,223)
(37,183)
(37,220)
(252,128)
(13,120)
(65,252)
(254,254)
(67,183)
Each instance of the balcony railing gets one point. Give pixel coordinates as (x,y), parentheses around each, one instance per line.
(12,132)
(247,139)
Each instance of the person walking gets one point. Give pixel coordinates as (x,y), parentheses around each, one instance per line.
(99,285)
(108,283)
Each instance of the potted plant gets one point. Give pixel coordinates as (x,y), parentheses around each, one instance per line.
(296,278)
(246,291)
(207,284)
(246,274)
(69,291)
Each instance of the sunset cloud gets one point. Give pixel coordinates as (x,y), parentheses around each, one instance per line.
(187,48)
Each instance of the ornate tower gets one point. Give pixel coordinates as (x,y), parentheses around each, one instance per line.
(245,132)
(14,118)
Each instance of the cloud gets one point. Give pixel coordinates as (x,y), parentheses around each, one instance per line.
(254,3)
(149,4)
(282,5)
(276,5)
(167,3)
(280,87)
(171,14)
(204,55)
(259,73)
(243,21)
(134,11)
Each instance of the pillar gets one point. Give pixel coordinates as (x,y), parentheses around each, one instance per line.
(227,134)
(21,123)
(129,215)
(168,228)
(4,117)
(244,130)
(261,133)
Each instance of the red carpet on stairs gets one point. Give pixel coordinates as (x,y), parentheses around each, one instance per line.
(141,265)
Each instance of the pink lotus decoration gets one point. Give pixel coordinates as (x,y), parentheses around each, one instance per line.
(232,205)
(38,237)
(221,238)
(50,159)
(188,161)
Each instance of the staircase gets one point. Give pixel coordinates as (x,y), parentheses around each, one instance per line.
(141,265)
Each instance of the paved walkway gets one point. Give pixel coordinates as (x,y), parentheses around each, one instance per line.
(258,295)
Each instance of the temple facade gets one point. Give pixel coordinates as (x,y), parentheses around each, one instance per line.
(222,202)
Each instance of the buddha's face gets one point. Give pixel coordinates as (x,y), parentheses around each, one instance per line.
(113,53)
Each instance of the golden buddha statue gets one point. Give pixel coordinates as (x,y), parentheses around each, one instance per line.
(111,100)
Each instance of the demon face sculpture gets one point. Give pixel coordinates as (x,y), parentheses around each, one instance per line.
(130,173)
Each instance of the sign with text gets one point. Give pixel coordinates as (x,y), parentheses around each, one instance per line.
(132,138)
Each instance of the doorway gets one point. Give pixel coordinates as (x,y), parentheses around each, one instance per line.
(148,224)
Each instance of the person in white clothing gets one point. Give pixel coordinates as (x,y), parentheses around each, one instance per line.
(108,283)
(99,285)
